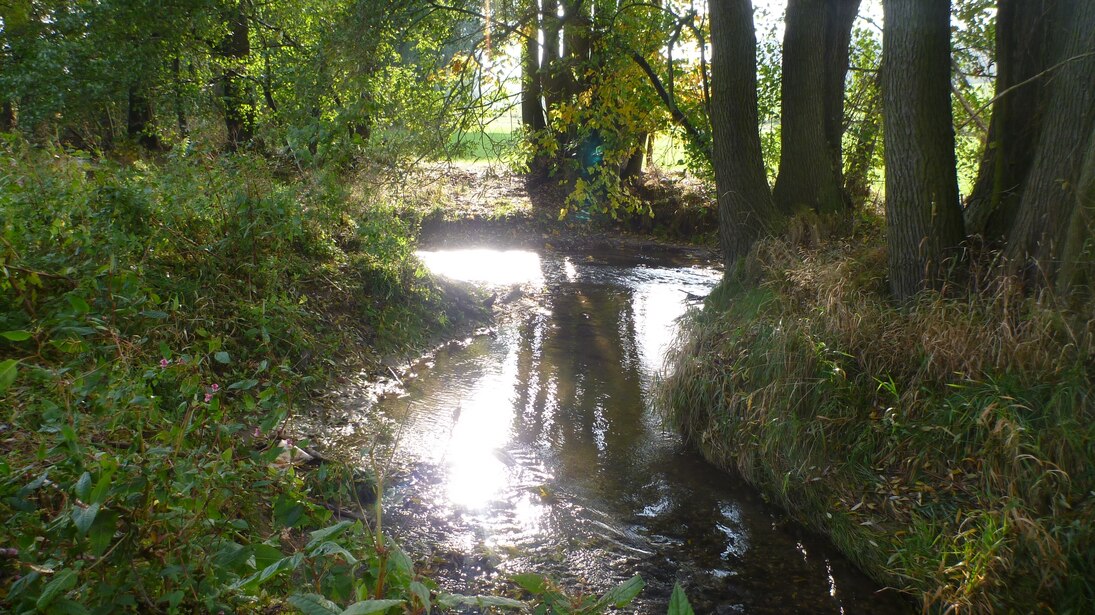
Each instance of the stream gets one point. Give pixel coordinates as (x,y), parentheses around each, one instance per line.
(536,449)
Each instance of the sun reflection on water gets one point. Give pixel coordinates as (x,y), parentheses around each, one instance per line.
(484,266)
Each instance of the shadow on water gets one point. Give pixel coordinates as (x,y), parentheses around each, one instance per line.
(538,449)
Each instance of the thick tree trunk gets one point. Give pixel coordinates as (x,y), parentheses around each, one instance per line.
(532,107)
(838,40)
(923,215)
(1051,191)
(1077,275)
(813,105)
(746,209)
(1022,53)
(239,115)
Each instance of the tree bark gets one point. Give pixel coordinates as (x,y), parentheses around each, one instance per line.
(532,107)
(923,215)
(746,209)
(1051,191)
(813,105)
(633,167)
(1022,53)
(239,115)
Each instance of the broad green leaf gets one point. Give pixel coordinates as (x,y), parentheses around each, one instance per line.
(7,373)
(84,517)
(314,604)
(678,602)
(59,584)
(333,548)
(16,336)
(260,577)
(624,593)
(222,357)
(365,607)
(532,583)
(79,304)
(327,533)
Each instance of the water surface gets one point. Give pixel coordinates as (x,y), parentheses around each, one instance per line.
(537,449)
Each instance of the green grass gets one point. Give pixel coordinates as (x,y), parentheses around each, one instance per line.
(159,324)
(948,448)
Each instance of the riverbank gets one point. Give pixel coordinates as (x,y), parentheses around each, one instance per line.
(160,321)
(948,448)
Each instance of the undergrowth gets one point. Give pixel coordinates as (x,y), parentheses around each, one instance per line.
(158,324)
(948,446)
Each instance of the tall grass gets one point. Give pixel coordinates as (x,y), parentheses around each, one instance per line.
(948,446)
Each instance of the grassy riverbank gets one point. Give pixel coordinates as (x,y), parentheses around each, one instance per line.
(947,447)
(159,322)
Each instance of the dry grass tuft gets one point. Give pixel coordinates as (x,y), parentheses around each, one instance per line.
(948,446)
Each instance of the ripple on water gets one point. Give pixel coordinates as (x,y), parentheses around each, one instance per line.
(538,449)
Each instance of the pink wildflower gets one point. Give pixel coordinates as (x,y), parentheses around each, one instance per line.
(208,397)
(164,362)
(216,387)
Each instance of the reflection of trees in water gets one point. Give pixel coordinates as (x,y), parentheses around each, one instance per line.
(578,386)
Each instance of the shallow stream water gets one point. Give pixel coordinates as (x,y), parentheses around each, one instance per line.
(537,448)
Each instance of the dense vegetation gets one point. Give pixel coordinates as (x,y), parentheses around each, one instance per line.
(197,229)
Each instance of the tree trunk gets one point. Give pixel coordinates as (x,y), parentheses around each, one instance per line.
(746,209)
(7,117)
(813,105)
(532,108)
(924,219)
(865,135)
(1051,191)
(1077,276)
(138,118)
(838,40)
(1022,52)
(633,168)
(238,111)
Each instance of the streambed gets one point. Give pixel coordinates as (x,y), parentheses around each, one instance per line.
(537,448)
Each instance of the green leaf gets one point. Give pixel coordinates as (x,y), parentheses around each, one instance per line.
(7,373)
(624,593)
(243,385)
(83,486)
(84,517)
(327,533)
(222,357)
(678,602)
(333,548)
(449,601)
(532,583)
(421,592)
(260,577)
(314,604)
(155,314)
(370,606)
(79,304)
(16,336)
(61,583)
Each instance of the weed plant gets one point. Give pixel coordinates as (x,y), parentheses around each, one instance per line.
(947,446)
(158,324)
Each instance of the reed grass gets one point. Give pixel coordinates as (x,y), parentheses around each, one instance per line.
(948,446)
